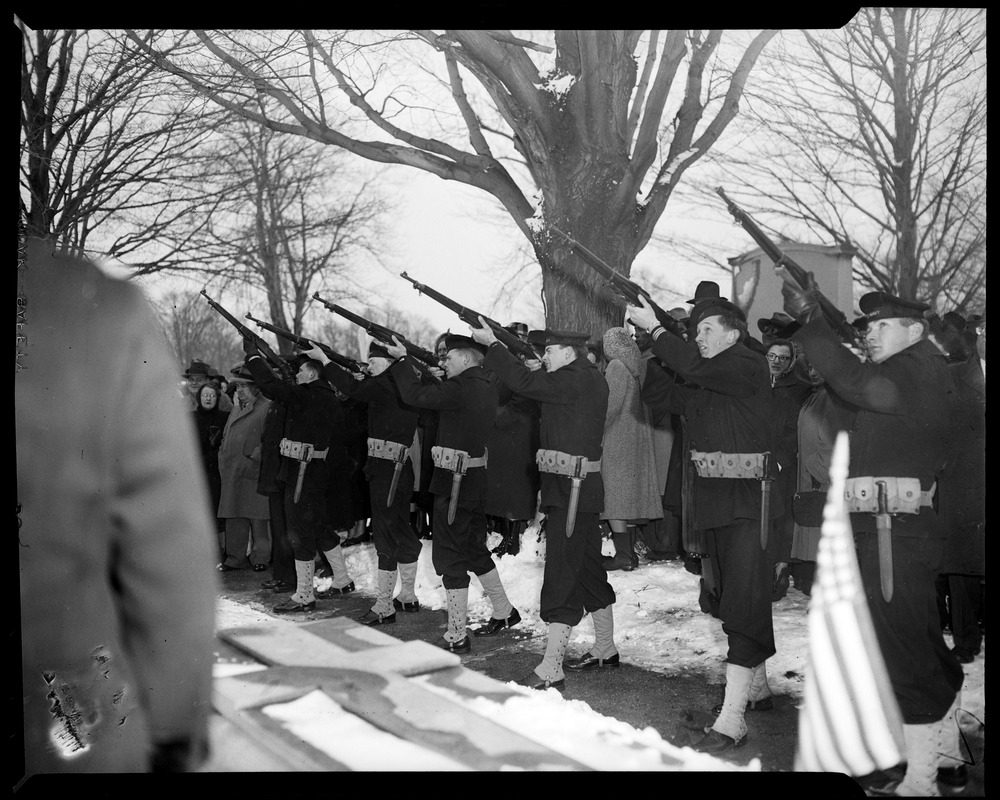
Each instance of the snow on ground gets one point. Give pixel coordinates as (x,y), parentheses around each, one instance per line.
(658,626)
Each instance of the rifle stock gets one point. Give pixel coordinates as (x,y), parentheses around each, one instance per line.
(792,272)
(627,289)
(425,358)
(470,317)
(272,358)
(340,360)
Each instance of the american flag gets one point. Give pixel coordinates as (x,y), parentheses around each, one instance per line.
(849,721)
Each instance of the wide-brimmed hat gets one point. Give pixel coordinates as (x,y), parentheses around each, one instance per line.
(198,367)
(240,374)
(779,324)
(706,290)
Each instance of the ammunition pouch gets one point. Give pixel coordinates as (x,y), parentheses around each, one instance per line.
(732,465)
(559,463)
(390,451)
(457,461)
(902,495)
(301,451)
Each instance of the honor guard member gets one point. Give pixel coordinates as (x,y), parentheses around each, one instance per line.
(899,445)
(574,400)
(312,445)
(391,429)
(466,403)
(725,398)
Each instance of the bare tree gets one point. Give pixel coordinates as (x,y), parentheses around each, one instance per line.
(193,330)
(874,136)
(292,223)
(110,155)
(569,134)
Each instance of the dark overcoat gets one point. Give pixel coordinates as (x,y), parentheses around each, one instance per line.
(313,415)
(725,401)
(963,482)
(574,403)
(466,406)
(512,492)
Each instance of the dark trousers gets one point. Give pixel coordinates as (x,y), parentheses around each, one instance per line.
(742,573)
(924,673)
(282,559)
(966,595)
(574,582)
(395,541)
(308,523)
(459,547)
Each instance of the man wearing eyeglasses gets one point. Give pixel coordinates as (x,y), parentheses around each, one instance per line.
(788,392)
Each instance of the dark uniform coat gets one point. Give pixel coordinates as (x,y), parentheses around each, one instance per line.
(388,417)
(512,474)
(963,482)
(725,401)
(574,401)
(313,415)
(902,429)
(467,406)
(115,540)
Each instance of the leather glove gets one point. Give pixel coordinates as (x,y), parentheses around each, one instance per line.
(802,305)
(249,347)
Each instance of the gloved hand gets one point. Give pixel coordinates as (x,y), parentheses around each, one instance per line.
(249,347)
(802,305)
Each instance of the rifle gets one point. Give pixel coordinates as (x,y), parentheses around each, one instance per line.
(276,362)
(425,358)
(345,362)
(794,273)
(508,339)
(628,290)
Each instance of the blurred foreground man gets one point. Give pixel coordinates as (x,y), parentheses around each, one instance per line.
(899,445)
(114,538)
(574,399)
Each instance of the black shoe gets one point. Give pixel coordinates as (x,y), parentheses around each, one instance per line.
(963,655)
(494,626)
(461,646)
(224,567)
(612,563)
(402,605)
(953,780)
(373,618)
(280,588)
(291,607)
(590,661)
(333,590)
(764,704)
(715,743)
(779,587)
(533,681)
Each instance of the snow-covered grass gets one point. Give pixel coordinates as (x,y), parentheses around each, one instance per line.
(658,625)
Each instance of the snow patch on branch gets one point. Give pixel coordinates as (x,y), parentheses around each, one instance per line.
(558,85)
(668,174)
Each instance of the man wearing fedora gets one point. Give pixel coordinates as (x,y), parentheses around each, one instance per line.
(573,397)
(725,400)
(197,375)
(466,403)
(899,447)
(242,508)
